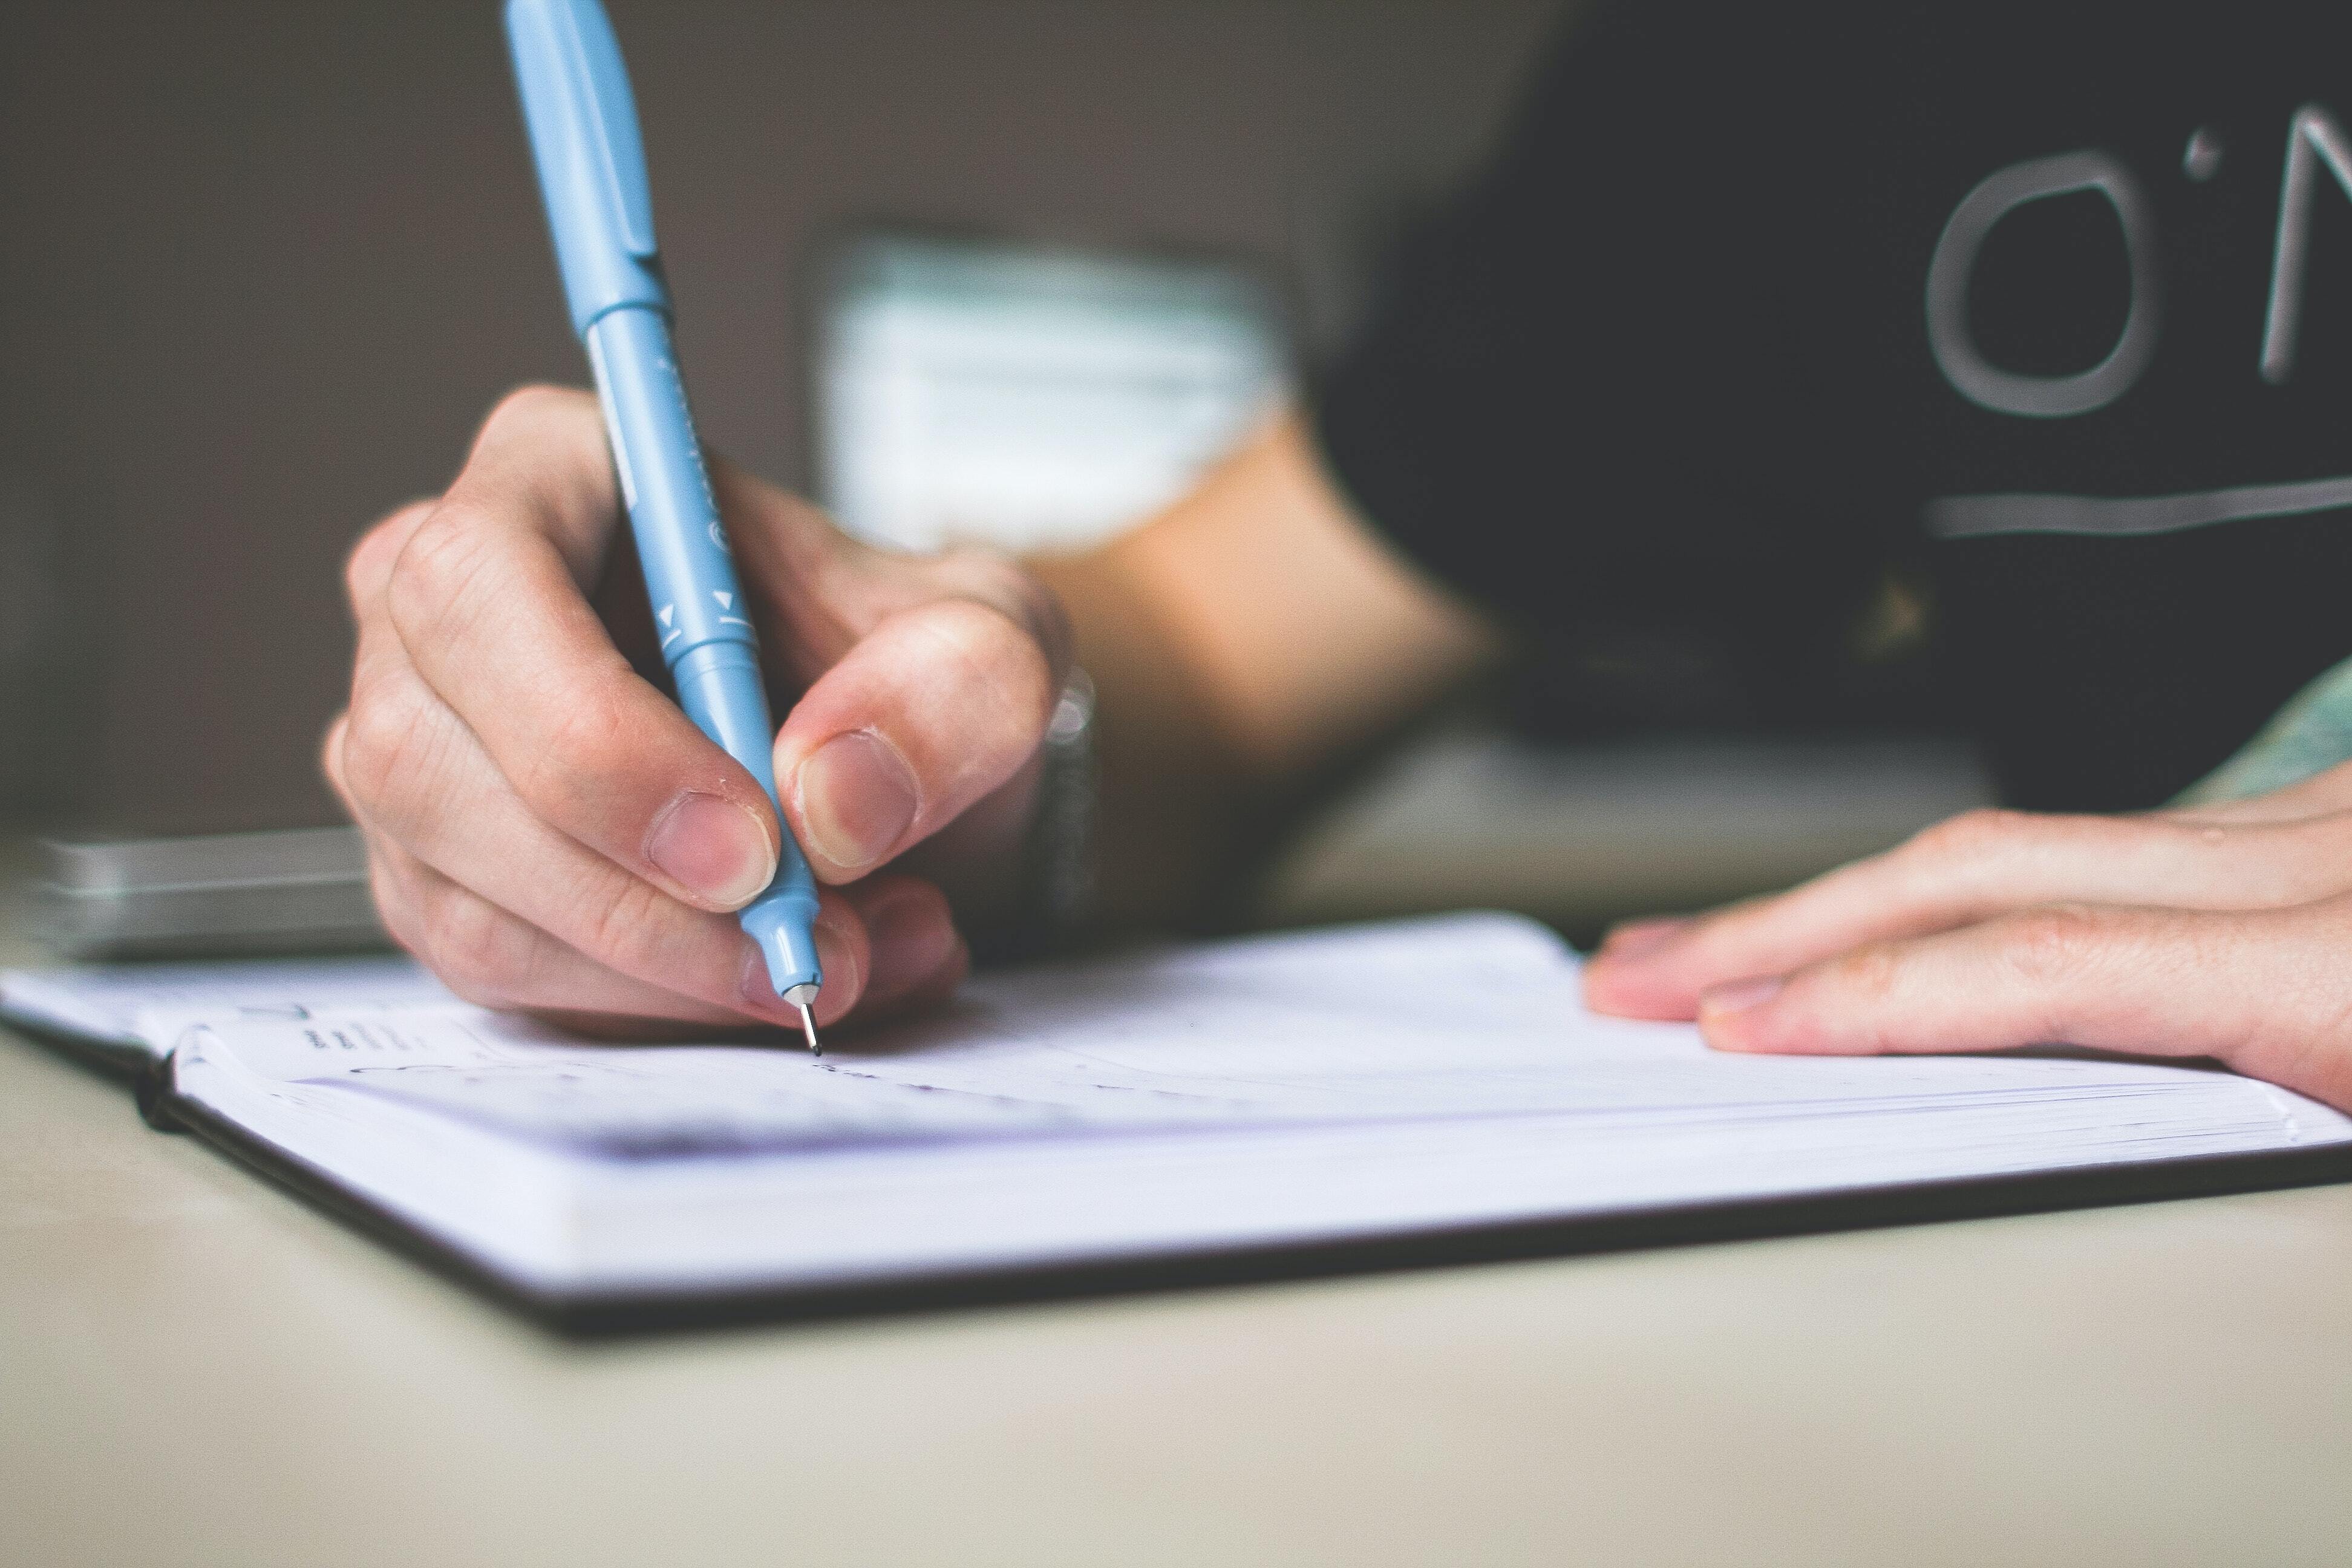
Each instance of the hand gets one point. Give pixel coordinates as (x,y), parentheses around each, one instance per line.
(2221,931)
(550,832)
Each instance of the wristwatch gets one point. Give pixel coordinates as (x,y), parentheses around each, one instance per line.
(1058,859)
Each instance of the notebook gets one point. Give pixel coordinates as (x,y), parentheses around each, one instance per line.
(1358,1095)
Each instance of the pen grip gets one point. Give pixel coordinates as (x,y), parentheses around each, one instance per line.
(689,575)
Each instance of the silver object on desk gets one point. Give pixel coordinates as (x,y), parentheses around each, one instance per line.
(301,890)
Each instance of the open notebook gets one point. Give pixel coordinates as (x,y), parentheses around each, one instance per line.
(1368,1094)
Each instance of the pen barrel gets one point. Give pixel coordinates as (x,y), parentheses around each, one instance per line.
(689,575)
(699,616)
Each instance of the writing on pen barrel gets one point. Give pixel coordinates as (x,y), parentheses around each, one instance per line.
(591,162)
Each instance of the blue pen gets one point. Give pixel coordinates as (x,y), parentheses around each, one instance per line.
(592,171)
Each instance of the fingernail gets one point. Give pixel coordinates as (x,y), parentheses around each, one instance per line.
(908,942)
(713,848)
(1739,995)
(1635,938)
(857,796)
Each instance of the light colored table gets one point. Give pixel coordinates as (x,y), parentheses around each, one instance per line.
(196,1368)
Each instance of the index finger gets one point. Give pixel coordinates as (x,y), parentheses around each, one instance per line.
(1970,868)
(488,599)
(2257,990)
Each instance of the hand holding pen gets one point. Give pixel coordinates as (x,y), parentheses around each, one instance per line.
(546,827)
(548,830)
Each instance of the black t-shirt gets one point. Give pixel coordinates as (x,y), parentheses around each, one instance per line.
(1760,302)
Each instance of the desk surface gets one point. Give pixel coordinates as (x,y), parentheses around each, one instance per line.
(196,1367)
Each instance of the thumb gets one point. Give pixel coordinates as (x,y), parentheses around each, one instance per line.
(935,709)
(927,680)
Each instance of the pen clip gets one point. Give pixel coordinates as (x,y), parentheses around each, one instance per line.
(607,112)
(590,155)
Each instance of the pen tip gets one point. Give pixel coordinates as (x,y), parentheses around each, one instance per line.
(808,1027)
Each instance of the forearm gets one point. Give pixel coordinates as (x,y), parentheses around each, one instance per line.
(1239,644)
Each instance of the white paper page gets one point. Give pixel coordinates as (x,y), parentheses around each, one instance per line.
(1261,1092)
(149,1004)
(674,1227)
(1296,1030)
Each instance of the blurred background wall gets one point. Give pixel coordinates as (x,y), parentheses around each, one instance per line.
(266,264)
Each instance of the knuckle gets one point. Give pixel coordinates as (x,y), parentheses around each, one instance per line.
(2052,944)
(1970,834)
(386,737)
(365,569)
(532,403)
(1001,657)
(617,924)
(394,905)
(1867,978)
(435,570)
(330,753)
(480,952)
(368,568)
(997,579)
(591,742)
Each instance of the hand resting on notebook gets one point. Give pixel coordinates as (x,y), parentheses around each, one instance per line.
(2216,930)
(550,832)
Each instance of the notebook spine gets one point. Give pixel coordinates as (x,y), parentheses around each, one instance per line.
(155,1089)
